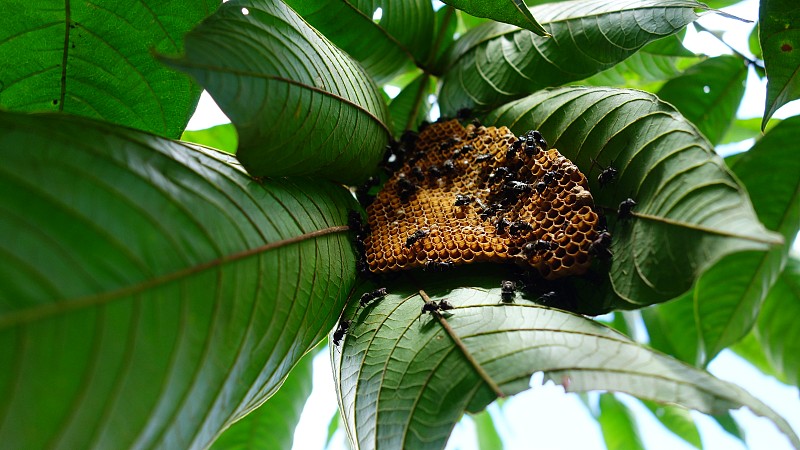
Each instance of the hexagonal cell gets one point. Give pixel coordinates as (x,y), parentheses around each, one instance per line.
(496,187)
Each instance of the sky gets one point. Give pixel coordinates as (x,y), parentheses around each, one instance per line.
(546,416)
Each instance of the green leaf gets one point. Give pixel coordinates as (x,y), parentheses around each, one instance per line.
(513,12)
(494,63)
(220,137)
(729,296)
(401,38)
(750,349)
(96,61)
(272,425)
(779,34)
(618,424)
(691,211)
(300,105)
(488,437)
(404,379)
(677,420)
(672,329)
(753,44)
(729,424)
(411,106)
(777,330)
(157,292)
(742,129)
(643,70)
(708,94)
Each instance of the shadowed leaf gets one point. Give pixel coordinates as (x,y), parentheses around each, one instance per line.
(158,289)
(779,34)
(513,12)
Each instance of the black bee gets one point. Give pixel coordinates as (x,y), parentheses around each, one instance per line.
(517,187)
(477,122)
(356,224)
(423,125)
(537,246)
(549,178)
(607,175)
(362,267)
(340,331)
(500,173)
(466,149)
(483,157)
(438,266)
(519,226)
(362,192)
(508,290)
(417,235)
(513,148)
(435,308)
(445,145)
(489,211)
(539,139)
(541,186)
(463,200)
(448,166)
(444,305)
(405,188)
(435,172)
(369,297)
(463,113)
(624,210)
(416,172)
(549,298)
(600,247)
(501,224)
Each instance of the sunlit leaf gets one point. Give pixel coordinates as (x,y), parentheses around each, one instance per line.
(300,105)
(220,137)
(153,292)
(708,94)
(512,12)
(402,36)
(494,63)
(690,210)
(95,61)
(779,34)
(488,437)
(677,420)
(272,425)
(729,296)
(404,379)
(777,329)
(618,424)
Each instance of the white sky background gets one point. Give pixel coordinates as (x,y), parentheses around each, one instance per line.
(546,418)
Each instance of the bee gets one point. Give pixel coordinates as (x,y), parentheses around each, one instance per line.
(463,200)
(416,172)
(549,178)
(508,290)
(600,247)
(370,297)
(519,226)
(501,224)
(538,246)
(341,330)
(607,175)
(624,209)
(438,266)
(483,157)
(435,172)
(541,186)
(405,188)
(416,236)
(433,308)
(500,173)
(448,166)
(466,149)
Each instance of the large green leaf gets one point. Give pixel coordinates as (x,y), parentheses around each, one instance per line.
(708,94)
(672,329)
(512,12)
(677,420)
(403,35)
(777,329)
(727,298)
(411,106)
(95,59)
(691,211)
(486,431)
(495,62)
(642,70)
(300,105)
(618,424)
(272,425)
(152,293)
(404,379)
(779,34)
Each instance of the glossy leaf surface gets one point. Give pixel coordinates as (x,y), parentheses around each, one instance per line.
(158,289)
(401,37)
(272,425)
(708,94)
(494,63)
(405,378)
(512,12)
(690,210)
(779,34)
(300,105)
(777,329)
(94,59)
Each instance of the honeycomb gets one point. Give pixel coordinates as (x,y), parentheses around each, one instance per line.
(477,194)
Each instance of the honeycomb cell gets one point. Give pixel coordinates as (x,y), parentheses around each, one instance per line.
(536,188)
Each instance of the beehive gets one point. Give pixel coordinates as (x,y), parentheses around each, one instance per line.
(470,194)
